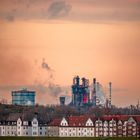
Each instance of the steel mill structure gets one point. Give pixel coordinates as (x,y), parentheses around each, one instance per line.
(80,91)
(84,94)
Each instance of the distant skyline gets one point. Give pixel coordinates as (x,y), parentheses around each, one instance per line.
(45,43)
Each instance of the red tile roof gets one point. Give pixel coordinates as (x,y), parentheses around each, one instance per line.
(120,117)
(81,120)
(77,120)
(55,122)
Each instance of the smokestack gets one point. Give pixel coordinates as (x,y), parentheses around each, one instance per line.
(110,94)
(94,91)
(138,105)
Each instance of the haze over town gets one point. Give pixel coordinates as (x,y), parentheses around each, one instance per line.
(45,43)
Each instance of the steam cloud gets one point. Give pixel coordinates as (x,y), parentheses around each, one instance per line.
(45,65)
(99,10)
(49,86)
(59,9)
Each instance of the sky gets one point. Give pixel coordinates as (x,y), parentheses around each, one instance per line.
(45,43)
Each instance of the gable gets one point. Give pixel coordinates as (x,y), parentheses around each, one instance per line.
(89,122)
(131,120)
(64,122)
(34,121)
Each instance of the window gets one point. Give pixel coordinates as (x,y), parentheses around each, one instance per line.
(34,128)
(79,134)
(34,133)
(34,122)
(40,133)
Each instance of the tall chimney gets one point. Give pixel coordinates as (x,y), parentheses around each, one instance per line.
(110,94)
(94,91)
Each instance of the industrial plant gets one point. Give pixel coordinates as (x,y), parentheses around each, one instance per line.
(84,94)
(23,97)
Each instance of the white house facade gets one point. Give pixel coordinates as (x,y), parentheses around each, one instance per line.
(23,128)
(74,126)
(107,126)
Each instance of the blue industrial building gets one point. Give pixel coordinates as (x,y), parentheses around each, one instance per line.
(23,97)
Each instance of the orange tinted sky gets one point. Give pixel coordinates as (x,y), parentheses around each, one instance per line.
(91,39)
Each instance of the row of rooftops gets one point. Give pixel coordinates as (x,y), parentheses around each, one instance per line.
(81,120)
(26,120)
(28,123)
(72,120)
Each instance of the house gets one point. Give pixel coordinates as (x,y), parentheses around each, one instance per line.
(23,127)
(90,126)
(72,126)
(76,126)
(53,128)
